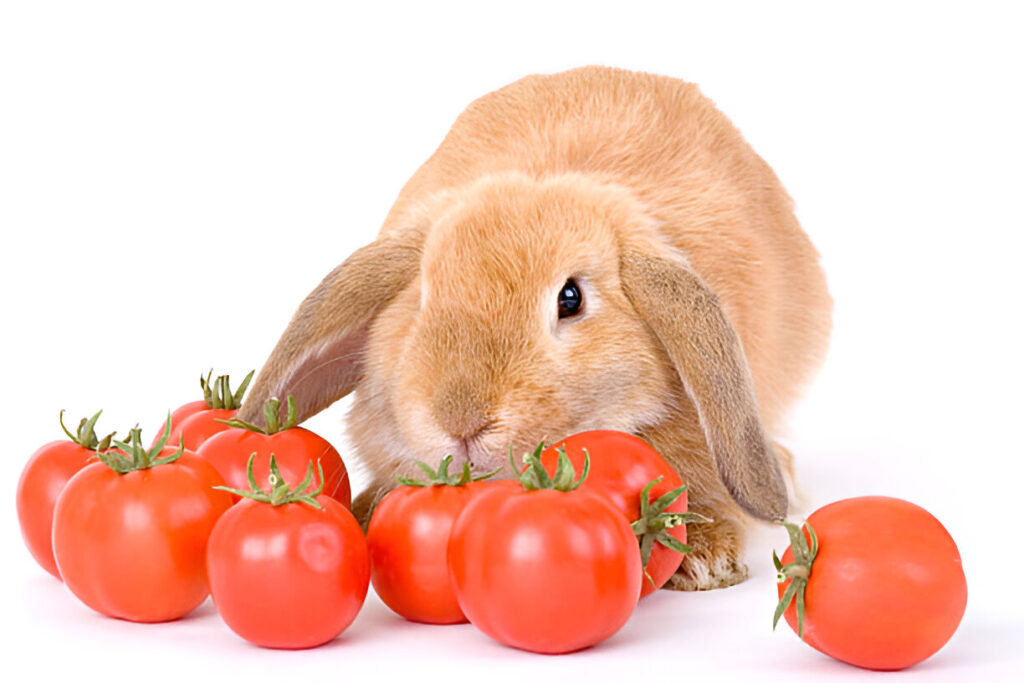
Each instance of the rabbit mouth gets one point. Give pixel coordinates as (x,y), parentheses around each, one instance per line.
(475,451)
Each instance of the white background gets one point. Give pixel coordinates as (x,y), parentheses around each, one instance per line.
(175,177)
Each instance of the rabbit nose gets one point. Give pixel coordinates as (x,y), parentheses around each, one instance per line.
(461,412)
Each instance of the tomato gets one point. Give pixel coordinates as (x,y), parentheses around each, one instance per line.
(877,582)
(130,532)
(408,541)
(42,480)
(288,568)
(199,427)
(198,420)
(179,415)
(544,567)
(187,410)
(621,467)
(294,447)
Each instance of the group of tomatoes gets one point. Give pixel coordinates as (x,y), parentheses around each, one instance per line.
(147,533)
(258,518)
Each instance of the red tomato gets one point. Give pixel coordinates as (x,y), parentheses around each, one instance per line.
(42,480)
(132,545)
(295,448)
(179,415)
(886,588)
(219,403)
(195,430)
(621,465)
(545,570)
(288,574)
(408,541)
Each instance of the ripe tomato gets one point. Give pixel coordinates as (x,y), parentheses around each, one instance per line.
(621,467)
(198,420)
(187,410)
(42,480)
(408,541)
(544,567)
(129,533)
(884,590)
(288,568)
(294,447)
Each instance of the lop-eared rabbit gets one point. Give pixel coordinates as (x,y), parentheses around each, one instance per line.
(594,249)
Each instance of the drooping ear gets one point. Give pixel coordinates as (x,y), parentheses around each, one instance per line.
(688,320)
(319,358)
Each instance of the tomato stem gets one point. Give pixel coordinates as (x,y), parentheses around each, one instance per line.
(441,476)
(204,383)
(271,415)
(534,477)
(798,572)
(654,523)
(134,456)
(219,396)
(85,435)
(279,494)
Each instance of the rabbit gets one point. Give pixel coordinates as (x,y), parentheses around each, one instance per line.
(593,249)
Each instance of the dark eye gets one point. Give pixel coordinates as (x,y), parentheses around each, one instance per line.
(570,299)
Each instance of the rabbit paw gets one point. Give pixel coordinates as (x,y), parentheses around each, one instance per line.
(714,561)
(364,504)
(700,575)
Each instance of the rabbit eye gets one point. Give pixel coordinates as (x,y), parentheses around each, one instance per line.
(570,299)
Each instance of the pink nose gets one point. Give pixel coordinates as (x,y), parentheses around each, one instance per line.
(460,410)
(461,424)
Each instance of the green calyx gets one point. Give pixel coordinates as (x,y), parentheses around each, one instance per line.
(654,523)
(134,456)
(218,395)
(85,435)
(797,572)
(279,493)
(535,477)
(271,415)
(441,477)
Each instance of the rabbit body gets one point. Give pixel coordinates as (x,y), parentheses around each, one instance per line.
(705,309)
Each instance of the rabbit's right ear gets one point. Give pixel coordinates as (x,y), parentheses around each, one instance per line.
(688,319)
(319,358)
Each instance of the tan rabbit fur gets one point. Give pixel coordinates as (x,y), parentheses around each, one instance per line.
(704,306)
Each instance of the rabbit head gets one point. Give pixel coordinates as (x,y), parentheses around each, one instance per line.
(516,308)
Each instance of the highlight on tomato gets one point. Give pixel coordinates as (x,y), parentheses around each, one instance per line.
(873,581)
(295,449)
(545,566)
(408,542)
(196,421)
(631,474)
(130,531)
(45,475)
(288,567)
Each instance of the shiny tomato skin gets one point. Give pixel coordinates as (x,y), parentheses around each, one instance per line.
(44,477)
(133,546)
(290,576)
(180,414)
(887,589)
(544,571)
(199,427)
(620,466)
(408,542)
(293,450)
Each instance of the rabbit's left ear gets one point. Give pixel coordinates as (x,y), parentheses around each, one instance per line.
(688,320)
(319,358)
